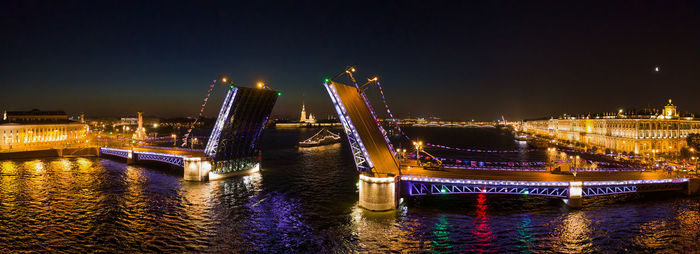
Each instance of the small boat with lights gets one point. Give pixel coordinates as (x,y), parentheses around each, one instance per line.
(522,137)
(321,138)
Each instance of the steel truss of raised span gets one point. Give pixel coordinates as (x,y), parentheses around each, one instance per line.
(359,152)
(370,146)
(173,159)
(421,185)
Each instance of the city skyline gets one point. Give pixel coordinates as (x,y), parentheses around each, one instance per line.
(452,60)
(349,127)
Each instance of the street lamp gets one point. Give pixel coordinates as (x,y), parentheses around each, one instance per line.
(418,145)
(174,139)
(399,155)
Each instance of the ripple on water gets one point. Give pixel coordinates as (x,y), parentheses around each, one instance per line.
(306,201)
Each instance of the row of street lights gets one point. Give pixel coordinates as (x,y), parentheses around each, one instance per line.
(402,152)
(693,157)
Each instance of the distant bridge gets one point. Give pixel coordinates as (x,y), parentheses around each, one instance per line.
(383,181)
(232,148)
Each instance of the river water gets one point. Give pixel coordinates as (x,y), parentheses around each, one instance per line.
(305,200)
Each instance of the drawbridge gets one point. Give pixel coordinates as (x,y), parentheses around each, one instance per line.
(370,146)
(233,147)
(382,180)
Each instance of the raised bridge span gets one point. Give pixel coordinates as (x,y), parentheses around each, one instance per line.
(384,180)
(233,145)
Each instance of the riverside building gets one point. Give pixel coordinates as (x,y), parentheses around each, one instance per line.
(39,130)
(644,132)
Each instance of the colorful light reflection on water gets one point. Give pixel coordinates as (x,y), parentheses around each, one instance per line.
(305,200)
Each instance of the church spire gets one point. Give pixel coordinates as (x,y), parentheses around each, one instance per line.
(303,110)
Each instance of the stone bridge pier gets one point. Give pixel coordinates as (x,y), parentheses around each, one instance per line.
(379,193)
(197,169)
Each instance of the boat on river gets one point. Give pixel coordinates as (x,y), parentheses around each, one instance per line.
(321,138)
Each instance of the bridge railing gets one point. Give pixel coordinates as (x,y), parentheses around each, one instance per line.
(174,159)
(114,152)
(420,185)
(416,189)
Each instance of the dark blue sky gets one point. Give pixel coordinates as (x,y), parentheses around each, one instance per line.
(456,60)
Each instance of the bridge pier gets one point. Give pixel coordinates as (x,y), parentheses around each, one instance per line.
(196,169)
(693,186)
(130,159)
(379,193)
(575,199)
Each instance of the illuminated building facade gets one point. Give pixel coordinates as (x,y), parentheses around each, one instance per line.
(39,130)
(655,131)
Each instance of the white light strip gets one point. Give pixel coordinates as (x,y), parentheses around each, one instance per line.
(340,108)
(209,150)
(627,182)
(162,154)
(376,179)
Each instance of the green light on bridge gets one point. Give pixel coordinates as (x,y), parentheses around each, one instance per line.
(526,192)
(110,133)
(326,80)
(279,93)
(443,191)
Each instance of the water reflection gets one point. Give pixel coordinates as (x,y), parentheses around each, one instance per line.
(441,233)
(526,237)
(574,234)
(305,201)
(484,235)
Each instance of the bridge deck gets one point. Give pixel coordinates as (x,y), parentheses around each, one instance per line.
(173,151)
(535,176)
(372,138)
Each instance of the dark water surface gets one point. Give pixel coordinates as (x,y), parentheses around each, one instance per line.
(305,200)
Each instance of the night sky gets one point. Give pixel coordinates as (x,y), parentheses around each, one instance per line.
(456,60)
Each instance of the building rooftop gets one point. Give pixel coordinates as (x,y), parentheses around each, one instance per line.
(35,116)
(667,112)
(36,112)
